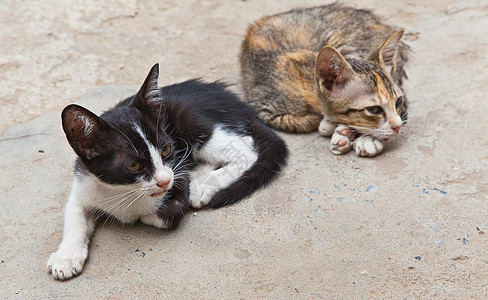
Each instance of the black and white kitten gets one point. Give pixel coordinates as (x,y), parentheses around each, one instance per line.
(158,154)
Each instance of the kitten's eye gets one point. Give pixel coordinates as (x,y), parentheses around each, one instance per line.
(399,102)
(136,166)
(166,151)
(374,110)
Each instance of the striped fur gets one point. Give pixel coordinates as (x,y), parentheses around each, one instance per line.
(328,64)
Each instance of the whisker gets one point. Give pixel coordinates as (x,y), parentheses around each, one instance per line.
(121,206)
(114,197)
(188,151)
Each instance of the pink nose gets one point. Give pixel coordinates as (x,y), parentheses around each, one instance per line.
(163,183)
(396,128)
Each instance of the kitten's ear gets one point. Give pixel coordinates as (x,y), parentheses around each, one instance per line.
(332,71)
(384,55)
(149,94)
(84,130)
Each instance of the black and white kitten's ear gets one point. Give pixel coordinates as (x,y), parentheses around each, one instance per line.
(84,130)
(149,95)
(384,55)
(332,71)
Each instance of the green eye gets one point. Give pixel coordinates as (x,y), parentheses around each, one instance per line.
(166,151)
(375,110)
(136,166)
(399,102)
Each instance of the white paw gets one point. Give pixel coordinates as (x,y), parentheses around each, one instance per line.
(154,220)
(202,190)
(368,146)
(326,128)
(341,140)
(66,263)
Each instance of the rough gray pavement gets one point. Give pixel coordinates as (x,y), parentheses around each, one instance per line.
(409,223)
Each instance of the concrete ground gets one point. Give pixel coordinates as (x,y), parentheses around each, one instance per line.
(409,223)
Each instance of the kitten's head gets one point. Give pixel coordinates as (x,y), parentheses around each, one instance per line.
(127,145)
(361,93)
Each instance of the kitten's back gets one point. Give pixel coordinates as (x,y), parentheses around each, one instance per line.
(354,32)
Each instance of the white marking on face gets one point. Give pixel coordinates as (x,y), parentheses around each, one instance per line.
(162,173)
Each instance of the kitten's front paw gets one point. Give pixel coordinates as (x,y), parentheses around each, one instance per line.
(342,140)
(201,192)
(65,264)
(326,128)
(368,146)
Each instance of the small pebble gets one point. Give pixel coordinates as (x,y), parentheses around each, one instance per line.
(440,241)
(440,191)
(371,189)
(313,192)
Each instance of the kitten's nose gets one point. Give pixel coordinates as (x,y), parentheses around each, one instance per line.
(396,128)
(163,183)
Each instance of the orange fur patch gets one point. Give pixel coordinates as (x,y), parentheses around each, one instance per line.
(387,101)
(256,42)
(298,81)
(383,94)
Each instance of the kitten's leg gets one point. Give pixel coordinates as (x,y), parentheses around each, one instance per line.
(234,153)
(172,212)
(368,146)
(79,225)
(203,188)
(201,170)
(326,128)
(342,140)
(169,215)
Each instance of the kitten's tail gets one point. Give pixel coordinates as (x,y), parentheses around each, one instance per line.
(272,155)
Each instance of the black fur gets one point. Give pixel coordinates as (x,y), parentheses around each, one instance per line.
(184,116)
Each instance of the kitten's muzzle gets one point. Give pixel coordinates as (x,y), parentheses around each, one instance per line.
(163,184)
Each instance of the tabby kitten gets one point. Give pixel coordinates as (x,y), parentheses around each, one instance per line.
(332,68)
(158,154)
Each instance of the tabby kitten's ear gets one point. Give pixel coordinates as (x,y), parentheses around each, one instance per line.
(85,131)
(332,71)
(149,95)
(384,55)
